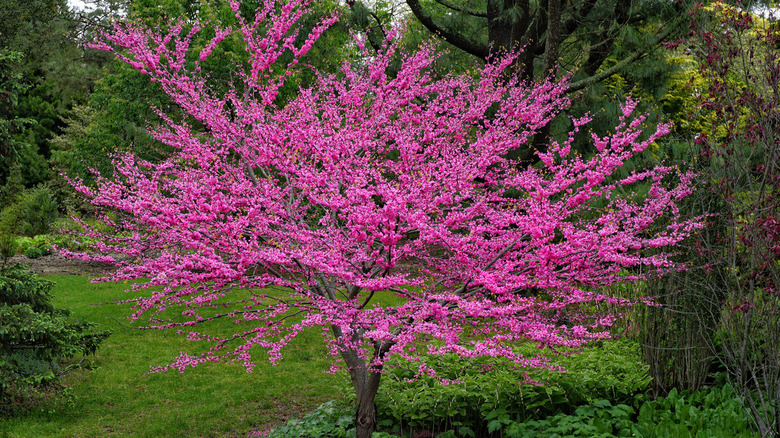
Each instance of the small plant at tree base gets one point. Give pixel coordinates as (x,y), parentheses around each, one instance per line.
(36,341)
(327,421)
(368,189)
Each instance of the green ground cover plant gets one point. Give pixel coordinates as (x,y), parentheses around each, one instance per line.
(711,413)
(486,395)
(330,419)
(715,412)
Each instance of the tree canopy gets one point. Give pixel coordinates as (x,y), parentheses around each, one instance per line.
(373,205)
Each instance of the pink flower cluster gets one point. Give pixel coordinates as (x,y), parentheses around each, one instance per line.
(382,208)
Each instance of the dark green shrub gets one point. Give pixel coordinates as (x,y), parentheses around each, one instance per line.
(33,252)
(40,211)
(11,222)
(35,247)
(36,341)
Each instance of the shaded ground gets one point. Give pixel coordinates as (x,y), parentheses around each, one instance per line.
(56,264)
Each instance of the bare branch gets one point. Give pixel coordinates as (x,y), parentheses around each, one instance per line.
(463,9)
(479,50)
(251,174)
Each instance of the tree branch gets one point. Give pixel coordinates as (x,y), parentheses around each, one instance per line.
(479,50)
(579,85)
(579,16)
(490,264)
(463,9)
(251,173)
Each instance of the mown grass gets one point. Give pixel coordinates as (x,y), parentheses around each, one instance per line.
(120,398)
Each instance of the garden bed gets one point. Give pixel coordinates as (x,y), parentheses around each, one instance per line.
(56,264)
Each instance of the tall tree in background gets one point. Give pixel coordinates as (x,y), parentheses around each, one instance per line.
(24,29)
(56,72)
(592,40)
(11,125)
(578,35)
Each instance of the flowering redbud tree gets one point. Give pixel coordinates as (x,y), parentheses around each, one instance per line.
(368,186)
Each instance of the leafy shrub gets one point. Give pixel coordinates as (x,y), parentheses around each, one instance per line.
(22,243)
(716,412)
(36,341)
(40,211)
(487,395)
(600,419)
(327,421)
(42,241)
(33,252)
(611,370)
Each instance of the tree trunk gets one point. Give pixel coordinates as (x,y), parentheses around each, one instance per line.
(507,33)
(553,41)
(365,415)
(365,381)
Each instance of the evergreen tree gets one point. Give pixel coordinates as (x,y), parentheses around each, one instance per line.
(12,127)
(590,40)
(52,72)
(37,341)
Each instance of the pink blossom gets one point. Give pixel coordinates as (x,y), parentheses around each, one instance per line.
(366,186)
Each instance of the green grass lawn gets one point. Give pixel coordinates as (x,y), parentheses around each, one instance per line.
(120,399)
